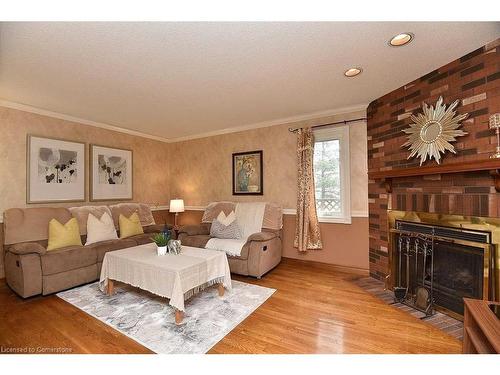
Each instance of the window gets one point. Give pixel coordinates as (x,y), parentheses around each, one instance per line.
(331,174)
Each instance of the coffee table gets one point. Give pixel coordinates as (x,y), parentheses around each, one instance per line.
(176,277)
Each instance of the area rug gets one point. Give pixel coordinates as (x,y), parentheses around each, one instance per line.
(149,320)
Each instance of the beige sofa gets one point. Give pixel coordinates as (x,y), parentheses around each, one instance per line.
(261,253)
(30,269)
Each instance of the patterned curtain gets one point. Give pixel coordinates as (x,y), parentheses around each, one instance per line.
(307,232)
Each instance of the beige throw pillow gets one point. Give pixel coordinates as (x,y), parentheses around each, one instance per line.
(102,229)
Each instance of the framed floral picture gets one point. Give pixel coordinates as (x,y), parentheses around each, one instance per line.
(248,173)
(110,173)
(55,170)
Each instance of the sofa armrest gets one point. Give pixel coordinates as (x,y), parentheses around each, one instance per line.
(156,228)
(27,248)
(194,230)
(262,236)
(264,254)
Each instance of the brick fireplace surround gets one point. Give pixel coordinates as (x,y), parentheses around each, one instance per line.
(474,80)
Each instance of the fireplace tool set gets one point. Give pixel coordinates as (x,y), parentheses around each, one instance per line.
(415,263)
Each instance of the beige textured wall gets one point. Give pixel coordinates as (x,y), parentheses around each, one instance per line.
(201,168)
(150,157)
(343,245)
(201,173)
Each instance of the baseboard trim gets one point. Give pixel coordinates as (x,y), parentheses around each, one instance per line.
(337,267)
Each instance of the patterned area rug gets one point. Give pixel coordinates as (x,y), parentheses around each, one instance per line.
(149,320)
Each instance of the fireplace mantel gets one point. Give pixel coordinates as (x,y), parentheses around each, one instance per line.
(491,165)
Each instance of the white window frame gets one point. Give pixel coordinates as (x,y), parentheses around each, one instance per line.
(340,133)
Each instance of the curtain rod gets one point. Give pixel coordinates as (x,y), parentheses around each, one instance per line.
(294,130)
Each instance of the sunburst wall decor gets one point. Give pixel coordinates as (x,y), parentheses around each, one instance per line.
(432,131)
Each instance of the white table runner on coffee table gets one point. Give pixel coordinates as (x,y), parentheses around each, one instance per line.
(176,277)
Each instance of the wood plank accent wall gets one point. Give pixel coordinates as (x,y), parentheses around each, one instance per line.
(474,81)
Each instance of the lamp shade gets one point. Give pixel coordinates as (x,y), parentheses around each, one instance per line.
(176,205)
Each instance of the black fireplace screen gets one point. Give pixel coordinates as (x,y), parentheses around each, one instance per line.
(439,262)
(458,274)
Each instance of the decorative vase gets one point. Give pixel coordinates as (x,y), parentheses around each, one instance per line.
(174,247)
(161,250)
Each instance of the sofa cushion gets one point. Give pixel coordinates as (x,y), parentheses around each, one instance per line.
(193,230)
(31,224)
(102,248)
(127,209)
(69,279)
(213,209)
(67,258)
(156,228)
(142,239)
(81,214)
(199,240)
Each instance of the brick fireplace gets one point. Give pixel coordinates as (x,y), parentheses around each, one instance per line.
(474,81)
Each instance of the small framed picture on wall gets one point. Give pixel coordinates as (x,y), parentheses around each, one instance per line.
(110,173)
(248,173)
(55,170)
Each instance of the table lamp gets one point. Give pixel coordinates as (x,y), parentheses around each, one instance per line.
(176,206)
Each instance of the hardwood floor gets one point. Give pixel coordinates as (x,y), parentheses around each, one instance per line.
(316,309)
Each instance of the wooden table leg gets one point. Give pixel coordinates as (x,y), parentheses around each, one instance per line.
(179,315)
(111,287)
(220,287)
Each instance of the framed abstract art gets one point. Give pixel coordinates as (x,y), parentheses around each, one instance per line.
(110,173)
(55,170)
(248,174)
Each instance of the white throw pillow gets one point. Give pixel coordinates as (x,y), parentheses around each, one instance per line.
(100,229)
(226,220)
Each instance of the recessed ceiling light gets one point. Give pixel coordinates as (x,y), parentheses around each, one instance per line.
(353,72)
(401,39)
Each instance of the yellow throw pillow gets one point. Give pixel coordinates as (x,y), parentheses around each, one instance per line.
(63,235)
(131,226)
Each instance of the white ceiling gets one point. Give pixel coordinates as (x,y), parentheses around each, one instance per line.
(182,79)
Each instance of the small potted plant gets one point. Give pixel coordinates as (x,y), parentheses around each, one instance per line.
(161,241)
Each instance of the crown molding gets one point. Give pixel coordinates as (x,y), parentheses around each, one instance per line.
(236,129)
(62,116)
(280,121)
